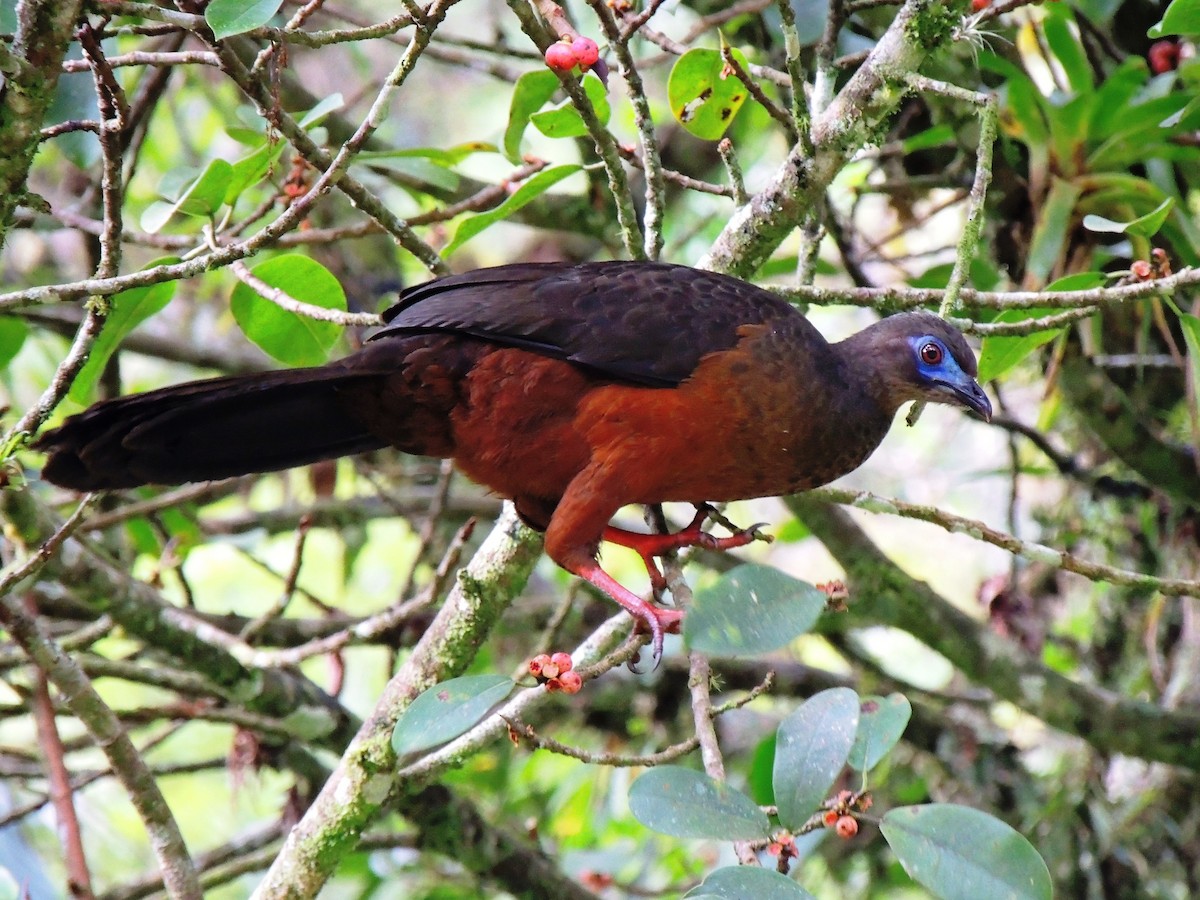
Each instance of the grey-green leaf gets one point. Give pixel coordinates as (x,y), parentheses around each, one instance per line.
(960,853)
(811,748)
(881,722)
(447,710)
(750,610)
(741,882)
(685,803)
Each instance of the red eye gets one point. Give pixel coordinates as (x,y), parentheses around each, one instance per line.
(931,354)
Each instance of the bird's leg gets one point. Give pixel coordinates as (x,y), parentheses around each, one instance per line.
(573,540)
(649,546)
(657,620)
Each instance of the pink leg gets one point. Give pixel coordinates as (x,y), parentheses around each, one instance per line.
(648,546)
(659,621)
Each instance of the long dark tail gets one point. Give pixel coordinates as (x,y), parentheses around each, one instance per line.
(206,430)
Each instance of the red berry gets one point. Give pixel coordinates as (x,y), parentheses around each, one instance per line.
(560,57)
(585,51)
(830,817)
(570,682)
(1164,56)
(980,5)
(847,827)
(538,664)
(563,661)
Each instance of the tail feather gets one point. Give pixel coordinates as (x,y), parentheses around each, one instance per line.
(207,430)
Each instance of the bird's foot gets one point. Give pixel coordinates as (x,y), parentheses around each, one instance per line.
(653,620)
(650,546)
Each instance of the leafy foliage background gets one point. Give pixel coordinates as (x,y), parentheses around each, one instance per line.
(199,685)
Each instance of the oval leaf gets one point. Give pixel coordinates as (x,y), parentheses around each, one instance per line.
(526,193)
(201,199)
(740,882)
(530,94)
(881,722)
(129,309)
(963,854)
(688,804)
(290,338)
(704,95)
(565,121)
(229,17)
(447,710)
(1143,226)
(751,609)
(13,332)
(811,748)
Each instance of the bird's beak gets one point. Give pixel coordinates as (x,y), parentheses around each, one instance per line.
(968,394)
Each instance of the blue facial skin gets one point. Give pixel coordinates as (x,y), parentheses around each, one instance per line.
(947,376)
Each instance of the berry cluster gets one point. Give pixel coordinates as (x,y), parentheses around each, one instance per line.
(555,672)
(839,812)
(571,52)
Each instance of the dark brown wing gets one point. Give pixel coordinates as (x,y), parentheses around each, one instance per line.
(645,323)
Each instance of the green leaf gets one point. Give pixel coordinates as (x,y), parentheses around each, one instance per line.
(812,747)
(526,193)
(937,136)
(202,198)
(1002,352)
(685,803)
(1191,336)
(751,609)
(1064,43)
(530,94)
(289,337)
(1143,226)
(447,710)
(881,722)
(251,169)
(425,170)
(1050,234)
(129,309)
(229,17)
(741,882)
(1181,17)
(704,96)
(13,332)
(960,853)
(322,110)
(564,121)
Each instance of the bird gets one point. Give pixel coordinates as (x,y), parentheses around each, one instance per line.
(570,389)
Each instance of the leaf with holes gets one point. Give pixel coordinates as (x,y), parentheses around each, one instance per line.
(685,803)
(704,94)
(447,710)
(751,609)
(811,748)
(960,853)
(291,338)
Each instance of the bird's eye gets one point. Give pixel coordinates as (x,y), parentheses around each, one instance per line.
(931,354)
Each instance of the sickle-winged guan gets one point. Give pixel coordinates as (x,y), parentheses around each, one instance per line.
(574,390)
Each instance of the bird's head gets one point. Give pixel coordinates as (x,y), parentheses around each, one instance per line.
(919,356)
